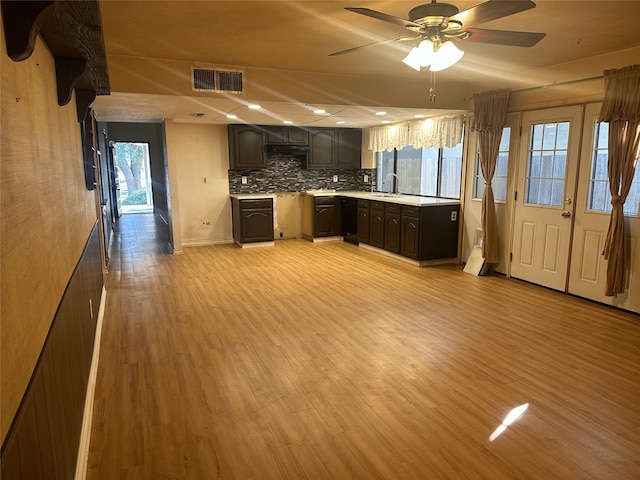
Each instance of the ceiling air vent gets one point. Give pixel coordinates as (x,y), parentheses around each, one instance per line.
(215,80)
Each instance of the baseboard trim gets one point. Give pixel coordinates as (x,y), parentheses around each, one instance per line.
(87,417)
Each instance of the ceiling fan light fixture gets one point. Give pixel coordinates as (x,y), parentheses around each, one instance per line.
(420,56)
(446,56)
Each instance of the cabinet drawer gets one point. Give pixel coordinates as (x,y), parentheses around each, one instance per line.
(325,200)
(258,203)
(393,208)
(375,205)
(363,203)
(410,211)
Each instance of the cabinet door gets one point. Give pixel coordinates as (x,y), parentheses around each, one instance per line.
(410,237)
(392,232)
(322,148)
(377,228)
(257,225)
(286,135)
(246,147)
(349,147)
(325,221)
(363,225)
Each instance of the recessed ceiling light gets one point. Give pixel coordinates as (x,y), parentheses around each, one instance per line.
(319,111)
(229,115)
(418,116)
(287,122)
(340,122)
(253,106)
(381,113)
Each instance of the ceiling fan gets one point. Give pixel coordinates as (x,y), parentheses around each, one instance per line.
(442,22)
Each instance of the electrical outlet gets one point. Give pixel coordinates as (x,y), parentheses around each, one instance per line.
(244,180)
(366,179)
(454,215)
(335,178)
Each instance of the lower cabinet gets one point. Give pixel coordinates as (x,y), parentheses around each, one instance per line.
(410,232)
(421,233)
(376,229)
(363,221)
(252,220)
(392,227)
(320,216)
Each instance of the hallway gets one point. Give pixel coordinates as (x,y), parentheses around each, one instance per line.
(326,361)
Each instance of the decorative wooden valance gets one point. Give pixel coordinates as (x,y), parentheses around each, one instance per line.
(73,32)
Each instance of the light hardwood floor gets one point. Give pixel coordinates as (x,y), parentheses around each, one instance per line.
(325,361)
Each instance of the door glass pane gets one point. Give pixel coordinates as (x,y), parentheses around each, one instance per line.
(599,193)
(547,164)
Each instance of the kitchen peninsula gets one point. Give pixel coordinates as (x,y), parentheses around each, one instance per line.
(421,229)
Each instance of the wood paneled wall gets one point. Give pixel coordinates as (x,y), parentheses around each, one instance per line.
(46,218)
(44,438)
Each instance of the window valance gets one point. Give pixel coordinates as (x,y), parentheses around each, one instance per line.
(429,133)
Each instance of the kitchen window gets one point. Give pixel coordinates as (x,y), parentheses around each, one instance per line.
(432,172)
(499,181)
(599,193)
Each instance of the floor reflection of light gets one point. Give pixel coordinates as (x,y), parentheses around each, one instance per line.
(512,416)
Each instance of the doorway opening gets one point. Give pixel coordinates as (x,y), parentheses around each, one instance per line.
(133,177)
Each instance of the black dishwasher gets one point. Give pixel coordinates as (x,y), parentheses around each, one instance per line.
(349,219)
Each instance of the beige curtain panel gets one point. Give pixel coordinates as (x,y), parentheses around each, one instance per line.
(621,108)
(490,113)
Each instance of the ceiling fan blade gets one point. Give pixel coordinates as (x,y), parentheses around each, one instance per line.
(504,37)
(491,10)
(383,16)
(353,49)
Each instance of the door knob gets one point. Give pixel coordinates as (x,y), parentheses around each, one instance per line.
(566,214)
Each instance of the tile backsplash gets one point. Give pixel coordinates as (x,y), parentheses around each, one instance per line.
(286,174)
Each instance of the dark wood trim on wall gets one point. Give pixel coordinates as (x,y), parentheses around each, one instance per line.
(45,435)
(73,33)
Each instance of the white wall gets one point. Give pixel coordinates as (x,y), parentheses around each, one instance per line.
(200,152)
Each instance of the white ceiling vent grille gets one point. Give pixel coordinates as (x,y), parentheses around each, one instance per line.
(216,80)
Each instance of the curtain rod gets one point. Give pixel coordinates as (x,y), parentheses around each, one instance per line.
(568,82)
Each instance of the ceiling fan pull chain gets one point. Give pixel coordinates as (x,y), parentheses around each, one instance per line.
(432,87)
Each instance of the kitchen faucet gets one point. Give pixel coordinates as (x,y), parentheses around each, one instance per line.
(391,175)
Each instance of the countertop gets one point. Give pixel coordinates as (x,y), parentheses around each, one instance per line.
(413,200)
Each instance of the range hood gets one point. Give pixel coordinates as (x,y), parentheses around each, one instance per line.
(279,149)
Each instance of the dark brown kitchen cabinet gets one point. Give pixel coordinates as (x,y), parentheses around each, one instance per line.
(322,148)
(287,136)
(349,147)
(252,220)
(334,148)
(410,232)
(392,227)
(376,229)
(246,147)
(363,221)
(326,217)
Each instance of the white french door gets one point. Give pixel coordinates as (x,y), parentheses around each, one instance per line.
(546,183)
(588,267)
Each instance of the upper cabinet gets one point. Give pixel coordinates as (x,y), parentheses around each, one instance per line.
(287,136)
(333,148)
(349,147)
(246,147)
(322,148)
